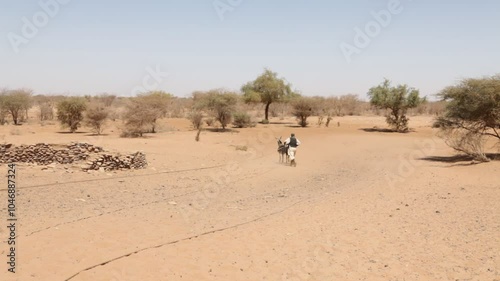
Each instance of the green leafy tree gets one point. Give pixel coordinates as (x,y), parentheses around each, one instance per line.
(397,100)
(70,112)
(267,89)
(472,113)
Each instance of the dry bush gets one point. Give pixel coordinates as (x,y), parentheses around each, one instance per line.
(468,142)
(196,118)
(141,113)
(17,103)
(436,108)
(242,120)
(320,120)
(96,116)
(179,107)
(138,119)
(154,105)
(3,112)
(46,111)
(210,121)
(105,99)
(219,103)
(70,112)
(303,108)
(350,104)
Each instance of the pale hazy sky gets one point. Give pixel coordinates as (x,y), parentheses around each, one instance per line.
(90,46)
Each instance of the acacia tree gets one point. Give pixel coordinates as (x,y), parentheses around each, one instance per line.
(397,100)
(220,103)
(156,103)
(472,113)
(96,116)
(17,102)
(267,89)
(303,108)
(70,112)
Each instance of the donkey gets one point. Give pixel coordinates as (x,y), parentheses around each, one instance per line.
(282,151)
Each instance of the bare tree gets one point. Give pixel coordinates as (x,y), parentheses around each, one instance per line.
(96,116)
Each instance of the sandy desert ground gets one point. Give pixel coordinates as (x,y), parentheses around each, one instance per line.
(360,205)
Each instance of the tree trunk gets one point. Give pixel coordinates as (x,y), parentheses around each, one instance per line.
(15,117)
(267,111)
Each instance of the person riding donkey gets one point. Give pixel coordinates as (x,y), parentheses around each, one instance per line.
(292,142)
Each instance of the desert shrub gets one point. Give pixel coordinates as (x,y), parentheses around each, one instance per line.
(46,111)
(468,142)
(397,100)
(3,112)
(106,99)
(96,116)
(196,118)
(154,105)
(472,114)
(138,118)
(179,107)
(349,104)
(17,103)
(303,108)
(220,103)
(209,121)
(320,120)
(70,112)
(242,120)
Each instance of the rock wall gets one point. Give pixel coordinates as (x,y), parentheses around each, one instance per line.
(46,154)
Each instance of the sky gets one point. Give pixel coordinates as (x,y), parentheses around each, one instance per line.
(323,47)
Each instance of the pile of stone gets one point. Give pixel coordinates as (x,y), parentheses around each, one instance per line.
(108,162)
(46,154)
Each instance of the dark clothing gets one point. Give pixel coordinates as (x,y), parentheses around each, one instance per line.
(293,142)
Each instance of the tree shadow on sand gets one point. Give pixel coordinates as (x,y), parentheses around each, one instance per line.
(278,123)
(70,133)
(384,130)
(460,158)
(219,130)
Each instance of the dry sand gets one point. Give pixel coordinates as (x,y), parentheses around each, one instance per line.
(360,205)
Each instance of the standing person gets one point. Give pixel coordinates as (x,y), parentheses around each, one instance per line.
(292,143)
